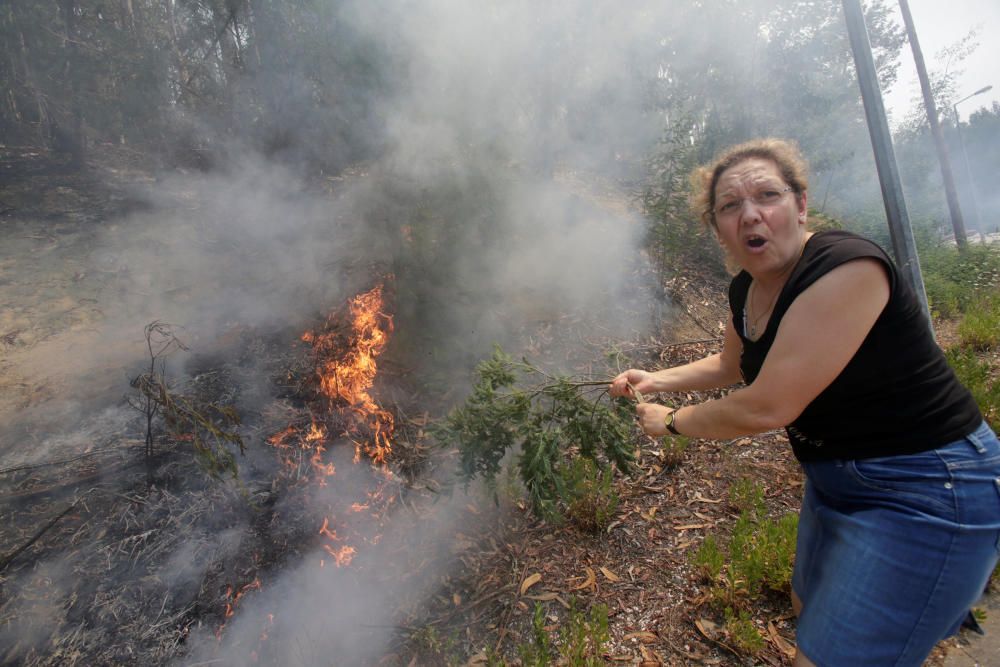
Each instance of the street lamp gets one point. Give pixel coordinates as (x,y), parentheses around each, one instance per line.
(965,158)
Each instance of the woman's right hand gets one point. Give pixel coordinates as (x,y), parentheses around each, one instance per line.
(634,378)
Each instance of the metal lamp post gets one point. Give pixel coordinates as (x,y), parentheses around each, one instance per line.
(965,158)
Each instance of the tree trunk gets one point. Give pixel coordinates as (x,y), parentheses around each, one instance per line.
(180,61)
(29,78)
(71,140)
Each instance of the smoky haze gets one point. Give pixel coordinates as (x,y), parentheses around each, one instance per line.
(473,202)
(469,206)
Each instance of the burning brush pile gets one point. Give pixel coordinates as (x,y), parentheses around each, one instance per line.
(104,568)
(345,372)
(344,352)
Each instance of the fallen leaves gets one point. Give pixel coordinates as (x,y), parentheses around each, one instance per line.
(780,642)
(708,628)
(639,567)
(530,581)
(692,526)
(698,498)
(589,581)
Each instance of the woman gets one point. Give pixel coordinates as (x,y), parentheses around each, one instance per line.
(900,521)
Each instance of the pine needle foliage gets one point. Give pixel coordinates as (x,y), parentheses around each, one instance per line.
(550,419)
(583,639)
(760,554)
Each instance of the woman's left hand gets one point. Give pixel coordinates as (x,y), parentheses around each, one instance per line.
(652,418)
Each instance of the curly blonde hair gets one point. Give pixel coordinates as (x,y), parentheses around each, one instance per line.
(782,152)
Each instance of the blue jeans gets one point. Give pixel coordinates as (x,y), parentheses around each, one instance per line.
(893,551)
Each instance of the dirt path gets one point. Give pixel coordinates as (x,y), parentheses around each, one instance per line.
(56,287)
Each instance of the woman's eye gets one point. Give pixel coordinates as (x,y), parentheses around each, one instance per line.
(727,207)
(768,196)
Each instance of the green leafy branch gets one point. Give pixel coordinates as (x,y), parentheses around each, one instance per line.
(550,419)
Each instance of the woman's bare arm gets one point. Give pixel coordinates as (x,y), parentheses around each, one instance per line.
(818,336)
(714,371)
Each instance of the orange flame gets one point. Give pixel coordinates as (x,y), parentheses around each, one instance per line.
(346,369)
(232,600)
(350,376)
(342,556)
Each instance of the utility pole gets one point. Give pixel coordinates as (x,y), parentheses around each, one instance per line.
(903,245)
(957,223)
(977,214)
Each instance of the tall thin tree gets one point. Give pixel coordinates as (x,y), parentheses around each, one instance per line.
(957,222)
(73,140)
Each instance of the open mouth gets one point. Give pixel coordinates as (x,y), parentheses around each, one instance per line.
(755,242)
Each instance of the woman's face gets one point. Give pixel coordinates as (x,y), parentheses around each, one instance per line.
(759,220)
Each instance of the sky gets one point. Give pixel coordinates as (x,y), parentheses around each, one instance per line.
(940,24)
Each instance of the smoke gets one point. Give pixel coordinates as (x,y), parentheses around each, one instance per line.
(495,204)
(474,209)
(313,612)
(40,609)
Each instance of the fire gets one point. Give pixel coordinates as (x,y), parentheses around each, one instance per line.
(325,530)
(345,372)
(342,556)
(232,600)
(349,376)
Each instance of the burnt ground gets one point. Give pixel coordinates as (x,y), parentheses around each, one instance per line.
(101,566)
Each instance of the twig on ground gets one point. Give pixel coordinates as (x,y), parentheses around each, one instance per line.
(502,628)
(17,552)
(43,464)
(668,346)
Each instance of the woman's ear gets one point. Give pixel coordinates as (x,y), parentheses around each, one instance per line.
(803,200)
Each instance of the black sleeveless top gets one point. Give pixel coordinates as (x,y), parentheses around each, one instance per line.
(897,395)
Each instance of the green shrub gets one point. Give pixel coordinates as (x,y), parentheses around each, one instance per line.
(954,280)
(551,419)
(674,448)
(747,496)
(944,298)
(979,376)
(777,543)
(709,559)
(591,500)
(760,553)
(582,639)
(675,237)
(538,652)
(980,327)
(743,634)
(431,645)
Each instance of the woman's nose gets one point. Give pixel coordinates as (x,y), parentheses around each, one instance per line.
(749,210)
